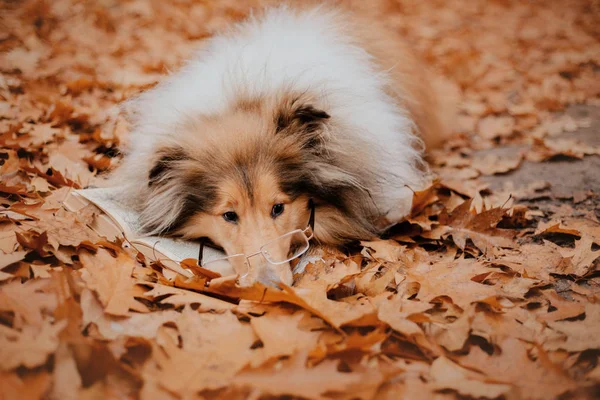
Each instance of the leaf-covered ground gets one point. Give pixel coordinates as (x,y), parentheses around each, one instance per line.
(489,290)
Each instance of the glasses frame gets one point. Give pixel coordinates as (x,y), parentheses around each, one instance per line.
(308,232)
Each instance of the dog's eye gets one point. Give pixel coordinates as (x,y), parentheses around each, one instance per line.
(277,210)
(230,216)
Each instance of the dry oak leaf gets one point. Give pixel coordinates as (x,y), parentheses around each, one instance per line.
(578,335)
(480,228)
(492,163)
(571,226)
(331,273)
(63,228)
(66,379)
(333,343)
(545,149)
(423,198)
(293,378)
(68,160)
(384,250)
(109,327)
(402,314)
(24,386)
(515,322)
(451,279)
(29,347)
(492,127)
(7,259)
(530,379)
(453,336)
(312,298)
(28,301)
(532,260)
(281,336)
(177,297)
(562,308)
(111,279)
(448,375)
(8,238)
(580,259)
(214,348)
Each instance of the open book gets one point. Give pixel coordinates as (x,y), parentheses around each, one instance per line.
(116,220)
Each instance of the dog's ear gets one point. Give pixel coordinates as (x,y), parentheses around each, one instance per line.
(304,120)
(167,161)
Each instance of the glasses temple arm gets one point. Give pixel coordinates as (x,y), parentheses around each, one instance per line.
(311,220)
(201,253)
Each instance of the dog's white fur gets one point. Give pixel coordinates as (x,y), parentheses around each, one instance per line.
(283,49)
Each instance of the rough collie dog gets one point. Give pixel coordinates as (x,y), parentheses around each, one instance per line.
(294,105)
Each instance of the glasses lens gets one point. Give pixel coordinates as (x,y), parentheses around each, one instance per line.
(233,265)
(285,248)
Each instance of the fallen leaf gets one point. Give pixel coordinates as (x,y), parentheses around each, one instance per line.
(111,279)
(294,378)
(29,347)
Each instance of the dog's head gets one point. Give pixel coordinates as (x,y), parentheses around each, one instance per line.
(245,178)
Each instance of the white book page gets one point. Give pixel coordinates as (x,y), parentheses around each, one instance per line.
(107,199)
(178,250)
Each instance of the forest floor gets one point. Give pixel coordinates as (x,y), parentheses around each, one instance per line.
(490,288)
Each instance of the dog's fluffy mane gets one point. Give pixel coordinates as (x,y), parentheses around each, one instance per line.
(322,100)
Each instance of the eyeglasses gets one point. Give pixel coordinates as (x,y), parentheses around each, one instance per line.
(298,241)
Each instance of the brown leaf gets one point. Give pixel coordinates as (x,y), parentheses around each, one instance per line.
(578,335)
(214,348)
(514,365)
(581,258)
(7,259)
(29,347)
(450,376)
(111,279)
(28,301)
(493,163)
(178,297)
(480,228)
(281,335)
(109,327)
(294,378)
